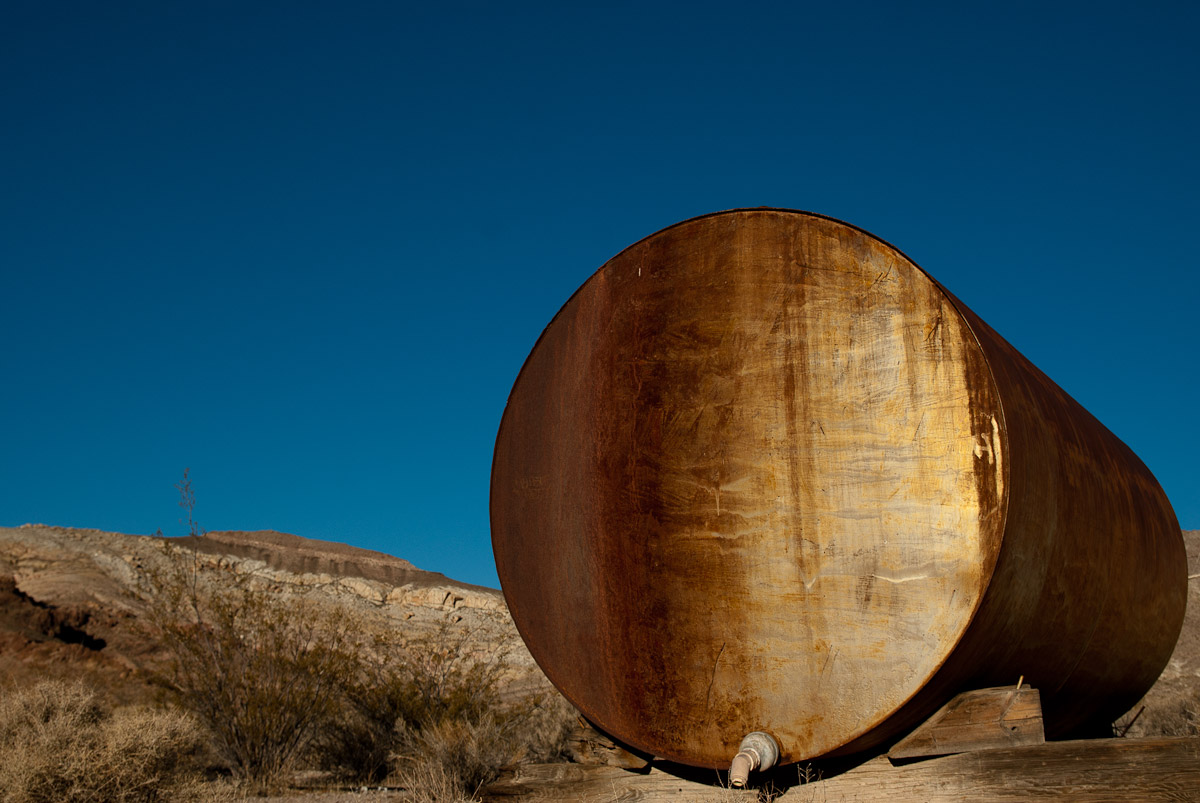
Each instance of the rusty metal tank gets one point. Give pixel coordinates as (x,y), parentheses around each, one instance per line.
(763,473)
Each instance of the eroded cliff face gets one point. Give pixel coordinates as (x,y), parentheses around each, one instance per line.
(71,600)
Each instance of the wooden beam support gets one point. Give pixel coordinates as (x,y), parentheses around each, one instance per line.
(1086,771)
(981,719)
(588,746)
(573,783)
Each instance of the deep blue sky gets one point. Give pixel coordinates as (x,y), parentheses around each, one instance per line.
(304,248)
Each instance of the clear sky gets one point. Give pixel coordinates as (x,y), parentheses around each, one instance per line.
(304,248)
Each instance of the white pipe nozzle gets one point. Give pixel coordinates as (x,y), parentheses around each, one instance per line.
(758,751)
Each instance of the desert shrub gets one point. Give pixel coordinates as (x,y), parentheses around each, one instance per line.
(542,726)
(59,743)
(262,673)
(453,759)
(445,678)
(429,709)
(401,686)
(278,679)
(453,756)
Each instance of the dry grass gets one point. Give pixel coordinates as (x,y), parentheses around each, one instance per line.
(451,759)
(60,743)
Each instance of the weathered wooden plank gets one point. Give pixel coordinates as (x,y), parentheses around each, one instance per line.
(1091,771)
(572,783)
(1079,771)
(586,745)
(980,719)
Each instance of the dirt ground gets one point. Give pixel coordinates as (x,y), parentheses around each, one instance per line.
(362,796)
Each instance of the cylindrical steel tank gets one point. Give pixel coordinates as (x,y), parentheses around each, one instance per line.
(763,473)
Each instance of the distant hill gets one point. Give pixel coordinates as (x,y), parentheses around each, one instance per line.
(69,604)
(291,553)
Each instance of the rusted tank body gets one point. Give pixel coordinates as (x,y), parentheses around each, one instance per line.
(763,473)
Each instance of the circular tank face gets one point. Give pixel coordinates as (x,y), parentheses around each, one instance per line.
(751,477)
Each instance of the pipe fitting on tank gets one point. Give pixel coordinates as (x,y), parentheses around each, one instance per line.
(758,751)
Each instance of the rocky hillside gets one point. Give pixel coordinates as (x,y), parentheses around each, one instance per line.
(70,602)
(305,556)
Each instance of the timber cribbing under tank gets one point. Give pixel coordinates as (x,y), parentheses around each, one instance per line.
(763,473)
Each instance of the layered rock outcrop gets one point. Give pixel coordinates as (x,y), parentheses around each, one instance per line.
(71,599)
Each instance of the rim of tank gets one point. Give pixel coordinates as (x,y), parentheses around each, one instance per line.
(986,575)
